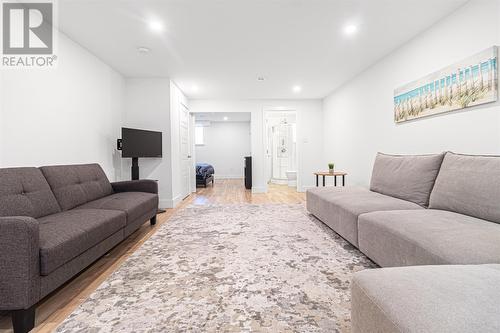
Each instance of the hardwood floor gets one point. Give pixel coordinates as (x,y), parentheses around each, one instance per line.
(57,306)
(232,191)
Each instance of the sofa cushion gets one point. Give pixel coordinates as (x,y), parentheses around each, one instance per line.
(428,237)
(445,299)
(65,235)
(134,204)
(339,207)
(25,192)
(407,177)
(469,185)
(75,185)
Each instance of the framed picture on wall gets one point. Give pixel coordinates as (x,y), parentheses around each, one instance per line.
(471,82)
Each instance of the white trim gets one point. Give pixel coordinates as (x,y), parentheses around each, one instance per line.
(170,203)
(165,203)
(279,181)
(259,189)
(192,149)
(228,176)
(305,188)
(265,111)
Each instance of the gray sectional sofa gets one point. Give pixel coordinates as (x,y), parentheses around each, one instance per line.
(433,223)
(57,220)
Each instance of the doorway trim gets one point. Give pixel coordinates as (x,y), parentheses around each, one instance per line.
(265,113)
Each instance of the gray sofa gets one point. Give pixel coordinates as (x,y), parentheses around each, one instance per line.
(57,220)
(420,211)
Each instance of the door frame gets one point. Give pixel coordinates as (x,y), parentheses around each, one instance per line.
(267,166)
(183,108)
(192,148)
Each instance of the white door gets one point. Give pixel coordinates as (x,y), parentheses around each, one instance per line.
(192,172)
(185,151)
(268,141)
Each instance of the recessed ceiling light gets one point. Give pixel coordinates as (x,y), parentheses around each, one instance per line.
(350,29)
(195,88)
(297,89)
(156,26)
(225,118)
(143,49)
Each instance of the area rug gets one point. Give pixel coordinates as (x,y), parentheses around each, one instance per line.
(229,268)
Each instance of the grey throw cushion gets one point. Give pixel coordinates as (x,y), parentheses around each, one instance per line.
(407,177)
(25,192)
(469,185)
(75,185)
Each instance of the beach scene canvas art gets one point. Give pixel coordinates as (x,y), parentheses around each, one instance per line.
(468,83)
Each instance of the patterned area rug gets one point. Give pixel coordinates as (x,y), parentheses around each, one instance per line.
(229,268)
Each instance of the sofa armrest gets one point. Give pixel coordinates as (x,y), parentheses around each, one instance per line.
(19,262)
(142,185)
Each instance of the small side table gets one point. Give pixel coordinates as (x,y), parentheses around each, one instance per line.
(325,174)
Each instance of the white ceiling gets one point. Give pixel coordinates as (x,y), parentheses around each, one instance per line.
(220,116)
(222,46)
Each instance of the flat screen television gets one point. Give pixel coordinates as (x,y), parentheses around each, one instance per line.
(141,143)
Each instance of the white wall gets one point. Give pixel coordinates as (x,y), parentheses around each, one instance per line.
(147,106)
(74,114)
(153,104)
(226,144)
(69,114)
(309,134)
(358,118)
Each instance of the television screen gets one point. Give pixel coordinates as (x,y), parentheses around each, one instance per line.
(141,143)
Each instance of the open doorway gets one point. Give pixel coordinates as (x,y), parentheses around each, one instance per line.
(281,148)
(221,143)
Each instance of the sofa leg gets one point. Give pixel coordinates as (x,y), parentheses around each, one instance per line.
(153,220)
(23,321)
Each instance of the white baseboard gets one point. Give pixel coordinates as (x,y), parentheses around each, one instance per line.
(170,203)
(166,203)
(259,189)
(305,188)
(228,176)
(177,200)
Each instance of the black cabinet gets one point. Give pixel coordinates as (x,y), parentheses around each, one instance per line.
(248,172)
